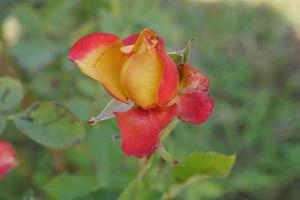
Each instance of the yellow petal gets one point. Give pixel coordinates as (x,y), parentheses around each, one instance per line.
(108,67)
(99,56)
(86,65)
(140,77)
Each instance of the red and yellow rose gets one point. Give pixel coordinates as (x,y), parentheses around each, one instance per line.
(138,69)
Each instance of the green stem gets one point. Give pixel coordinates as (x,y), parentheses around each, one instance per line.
(166,132)
(10,117)
(166,155)
(144,165)
(132,190)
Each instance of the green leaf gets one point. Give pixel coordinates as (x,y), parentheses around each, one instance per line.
(102,194)
(69,187)
(203,189)
(53,85)
(176,57)
(80,107)
(2,124)
(57,10)
(110,22)
(109,166)
(34,54)
(88,87)
(182,56)
(209,164)
(5,9)
(50,124)
(186,52)
(29,19)
(11,93)
(197,166)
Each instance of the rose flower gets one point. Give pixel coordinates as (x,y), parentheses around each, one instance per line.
(137,69)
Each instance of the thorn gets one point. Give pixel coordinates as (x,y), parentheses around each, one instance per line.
(175,162)
(92,121)
(115,137)
(149,157)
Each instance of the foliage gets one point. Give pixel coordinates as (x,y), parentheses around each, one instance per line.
(50,124)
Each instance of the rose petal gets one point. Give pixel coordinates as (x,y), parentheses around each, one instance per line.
(193,79)
(194,107)
(140,129)
(170,77)
(130,40)
(86,50)
(140,76)
(8,160)
(98,55)
(141,73)
(149,76)
(108,69)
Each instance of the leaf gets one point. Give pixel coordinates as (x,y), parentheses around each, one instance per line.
(69,187)
(53,85)
(186,52)
(209,164)
(203,189)
(34,54)
(11,93)
(2,124)
(50,124)
(197,166)
(102,194)
(87,87)
(57,10)
(109,166)
(5,9)
(110,22)
(80,107)
(183,55)
(29,19)
(176,57)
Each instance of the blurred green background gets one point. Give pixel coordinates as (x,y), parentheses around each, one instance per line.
(250,50)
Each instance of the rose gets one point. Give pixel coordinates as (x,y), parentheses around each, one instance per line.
(8,159)
(138,69)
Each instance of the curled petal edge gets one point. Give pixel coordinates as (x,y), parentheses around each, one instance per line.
(194,107)
(140,129)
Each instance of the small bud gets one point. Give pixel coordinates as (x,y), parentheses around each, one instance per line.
(8,159)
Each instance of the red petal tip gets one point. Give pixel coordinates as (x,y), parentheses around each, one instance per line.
(90,42)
